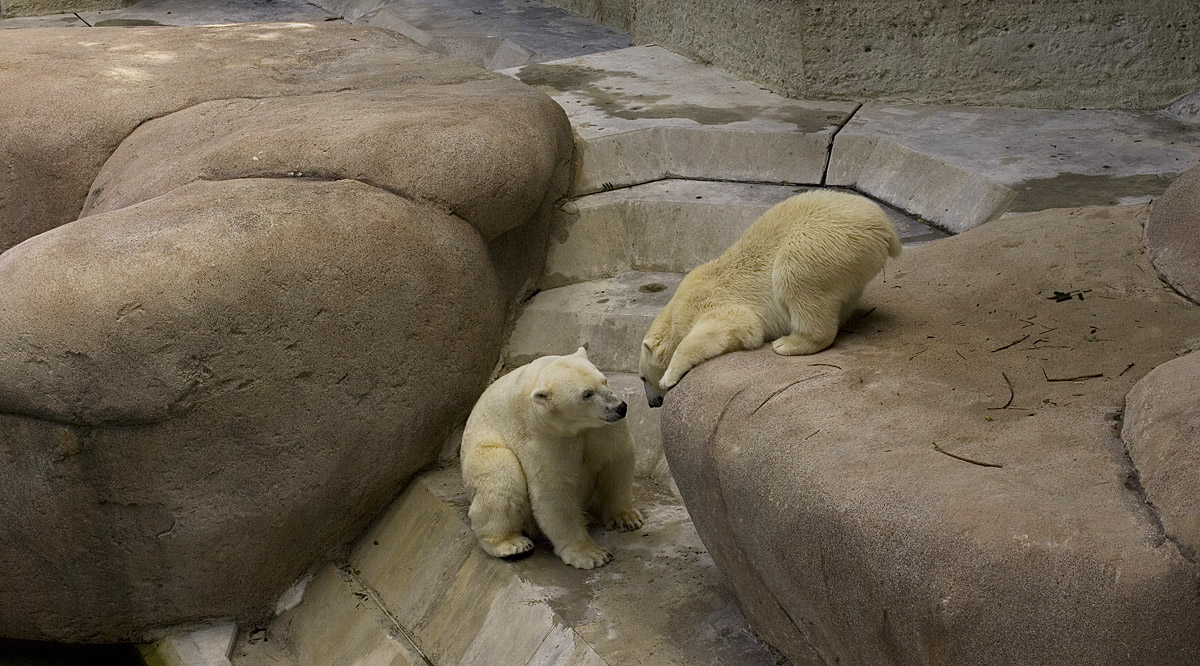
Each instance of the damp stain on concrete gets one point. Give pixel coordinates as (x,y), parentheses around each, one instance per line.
(108,23)
(614,101)
(568,77)
(1070,190)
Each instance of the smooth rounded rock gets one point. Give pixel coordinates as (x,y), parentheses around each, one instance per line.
(498,135)
(1173,234)
(203,394)
(70,97)
(946,484)
(1162,436)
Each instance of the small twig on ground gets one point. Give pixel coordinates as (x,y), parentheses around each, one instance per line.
(1011,393)
(1070,379)
(1127,368)
(918,353)
(1014,342)
(827,365)
(964,458)
(812,435)
(960,355)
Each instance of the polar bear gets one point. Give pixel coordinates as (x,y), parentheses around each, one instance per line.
(792,278)
(542,444)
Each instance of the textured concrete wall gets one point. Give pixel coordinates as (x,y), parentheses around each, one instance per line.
(1030,53)
(42,7)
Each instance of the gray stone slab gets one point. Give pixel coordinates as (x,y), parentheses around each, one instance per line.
(609,317)
(644,113)
(51,21)
(206,12)
(491,33)
(961,166)
(670,225)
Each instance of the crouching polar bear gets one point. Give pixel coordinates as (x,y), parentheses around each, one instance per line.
(793,277)
(542,445)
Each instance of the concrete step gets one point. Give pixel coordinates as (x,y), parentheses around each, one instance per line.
(962,166)
(494,34)
(609,316)
(416,590)
(644,113)
(669,225)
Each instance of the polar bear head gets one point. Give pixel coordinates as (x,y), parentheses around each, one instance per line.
(652,367)
(572,395)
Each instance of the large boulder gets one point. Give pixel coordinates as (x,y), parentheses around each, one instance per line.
(1173,234)
(1161,434)
(946,485)
(71,97)
(289,287)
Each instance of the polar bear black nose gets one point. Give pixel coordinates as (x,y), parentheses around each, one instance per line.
(622,409)
(654,401)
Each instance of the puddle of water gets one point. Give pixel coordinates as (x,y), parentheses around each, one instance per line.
(124,22)
(1069,190)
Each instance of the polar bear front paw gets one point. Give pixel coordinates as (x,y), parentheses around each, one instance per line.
(798,345)
(585,554)
(506,546)
(626,520)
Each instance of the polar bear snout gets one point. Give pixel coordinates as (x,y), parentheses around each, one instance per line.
(654,397)
(614,414)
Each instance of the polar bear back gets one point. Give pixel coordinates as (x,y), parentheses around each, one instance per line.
(825,227)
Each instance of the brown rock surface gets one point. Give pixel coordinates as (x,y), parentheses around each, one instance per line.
(198,401)
(211,381)
(1173,234)
(405,141)
(1162,436)
(71,97)
(1020,539)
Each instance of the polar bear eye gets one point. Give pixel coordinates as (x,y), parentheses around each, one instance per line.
(588,394)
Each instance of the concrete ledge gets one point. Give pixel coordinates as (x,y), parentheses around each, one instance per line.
(962,166)
(608,316)
(644,113)
(670,225)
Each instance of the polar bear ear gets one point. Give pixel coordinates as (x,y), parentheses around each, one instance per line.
(582,352)
(540,395)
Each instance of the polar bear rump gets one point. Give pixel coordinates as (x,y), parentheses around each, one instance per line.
(792,279)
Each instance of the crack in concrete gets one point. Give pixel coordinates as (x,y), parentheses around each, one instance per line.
(832,139)
(352,576)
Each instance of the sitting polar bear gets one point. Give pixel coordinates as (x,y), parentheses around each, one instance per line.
(542,444)
(793,277)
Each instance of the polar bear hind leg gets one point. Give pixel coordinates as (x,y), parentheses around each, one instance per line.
(500,507)
(814,327)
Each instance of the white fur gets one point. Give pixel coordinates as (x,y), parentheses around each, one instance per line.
(792,278)
(542,444)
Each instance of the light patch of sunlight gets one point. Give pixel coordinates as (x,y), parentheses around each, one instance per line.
(126,47)
(131,74)
(158,56)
